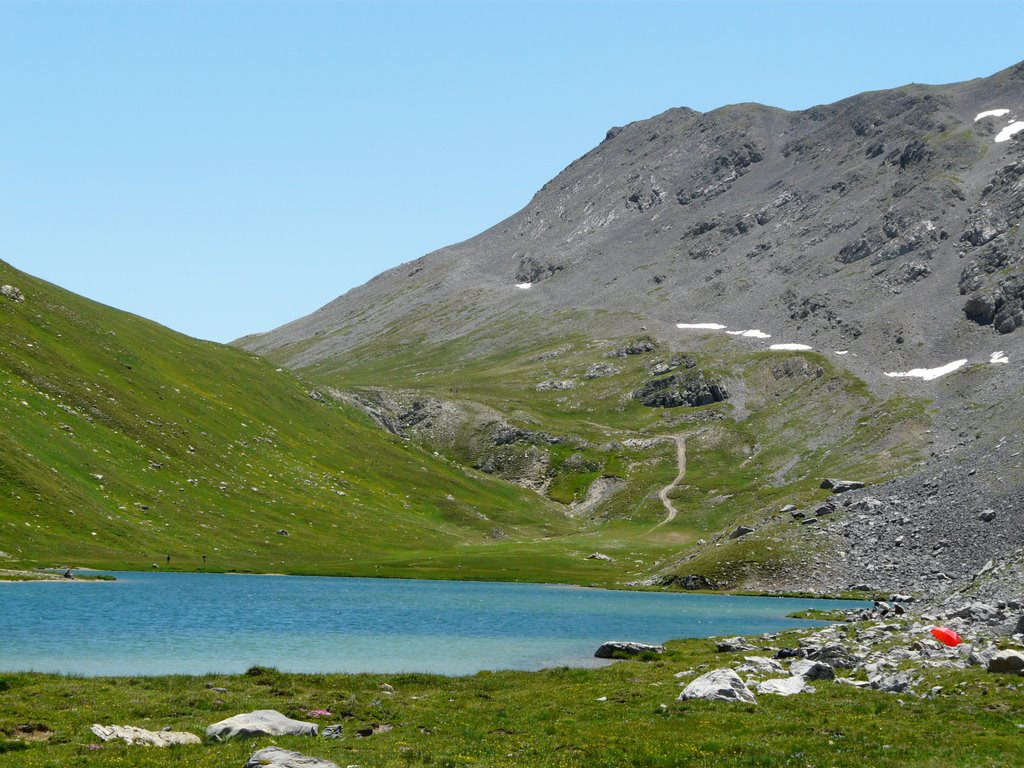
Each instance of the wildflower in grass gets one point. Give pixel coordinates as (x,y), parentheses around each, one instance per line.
(319,713)
(94,746)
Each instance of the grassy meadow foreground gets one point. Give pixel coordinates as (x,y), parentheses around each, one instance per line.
(625,714)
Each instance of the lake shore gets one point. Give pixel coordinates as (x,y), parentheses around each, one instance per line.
(17,575)
(625,714)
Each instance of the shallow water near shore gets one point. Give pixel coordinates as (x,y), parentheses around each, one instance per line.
(186,623)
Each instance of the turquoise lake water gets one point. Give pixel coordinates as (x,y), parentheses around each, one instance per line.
(179,623)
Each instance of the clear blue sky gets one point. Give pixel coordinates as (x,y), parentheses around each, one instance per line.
(224,167)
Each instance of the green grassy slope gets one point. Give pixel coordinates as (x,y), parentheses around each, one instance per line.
(793,419)
(122,442)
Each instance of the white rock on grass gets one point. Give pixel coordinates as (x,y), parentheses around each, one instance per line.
(718,685)
(785,686)
(129,734)
(812,670)
(275,757)
(262,722)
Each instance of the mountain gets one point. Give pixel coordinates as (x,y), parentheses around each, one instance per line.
(880,232)
(124,444)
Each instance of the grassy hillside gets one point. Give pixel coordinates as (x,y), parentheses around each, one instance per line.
(792,419)
(122,442)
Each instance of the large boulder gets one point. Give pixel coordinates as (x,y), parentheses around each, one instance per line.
(12,293)
(129,734)
(262,722)
(812,670)
(718,685)
(275,757)
(1007,661)
(625,647)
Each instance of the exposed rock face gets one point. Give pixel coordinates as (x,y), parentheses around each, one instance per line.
(129,734)
(841,486)
(262,722)
(12,293)
(812,670)
(679,390)
(629,648)
(718,685)
(733,644)
(551,384)
(275,757)
(741,531)
(1007,661)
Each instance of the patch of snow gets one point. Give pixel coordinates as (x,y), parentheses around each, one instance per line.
(790,347)
(991,113)
(700,326)
(928,373)
(999,357)
(751,334)
(842,351)
(1010,130)
(523,286)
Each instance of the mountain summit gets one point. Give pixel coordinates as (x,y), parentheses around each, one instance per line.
(886,221)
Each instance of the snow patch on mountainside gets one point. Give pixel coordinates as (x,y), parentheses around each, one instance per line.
(991,113)
(1009,131)
(928,373)
(790,347)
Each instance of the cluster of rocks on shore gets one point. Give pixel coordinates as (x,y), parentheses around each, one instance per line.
(887,649)
(262,722)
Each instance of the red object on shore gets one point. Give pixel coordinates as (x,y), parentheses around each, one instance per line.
(947,636)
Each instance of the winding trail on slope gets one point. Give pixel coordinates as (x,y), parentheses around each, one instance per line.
(680,441)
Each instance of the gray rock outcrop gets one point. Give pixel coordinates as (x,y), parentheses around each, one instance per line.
(129,734)
(262,722)
(812,670)
(785,686)
(1007,661)
(629,648)
(12,293)
(718,685)
(841,486)
(691,389)
(275,757)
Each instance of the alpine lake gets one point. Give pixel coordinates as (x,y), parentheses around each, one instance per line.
(152,623)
